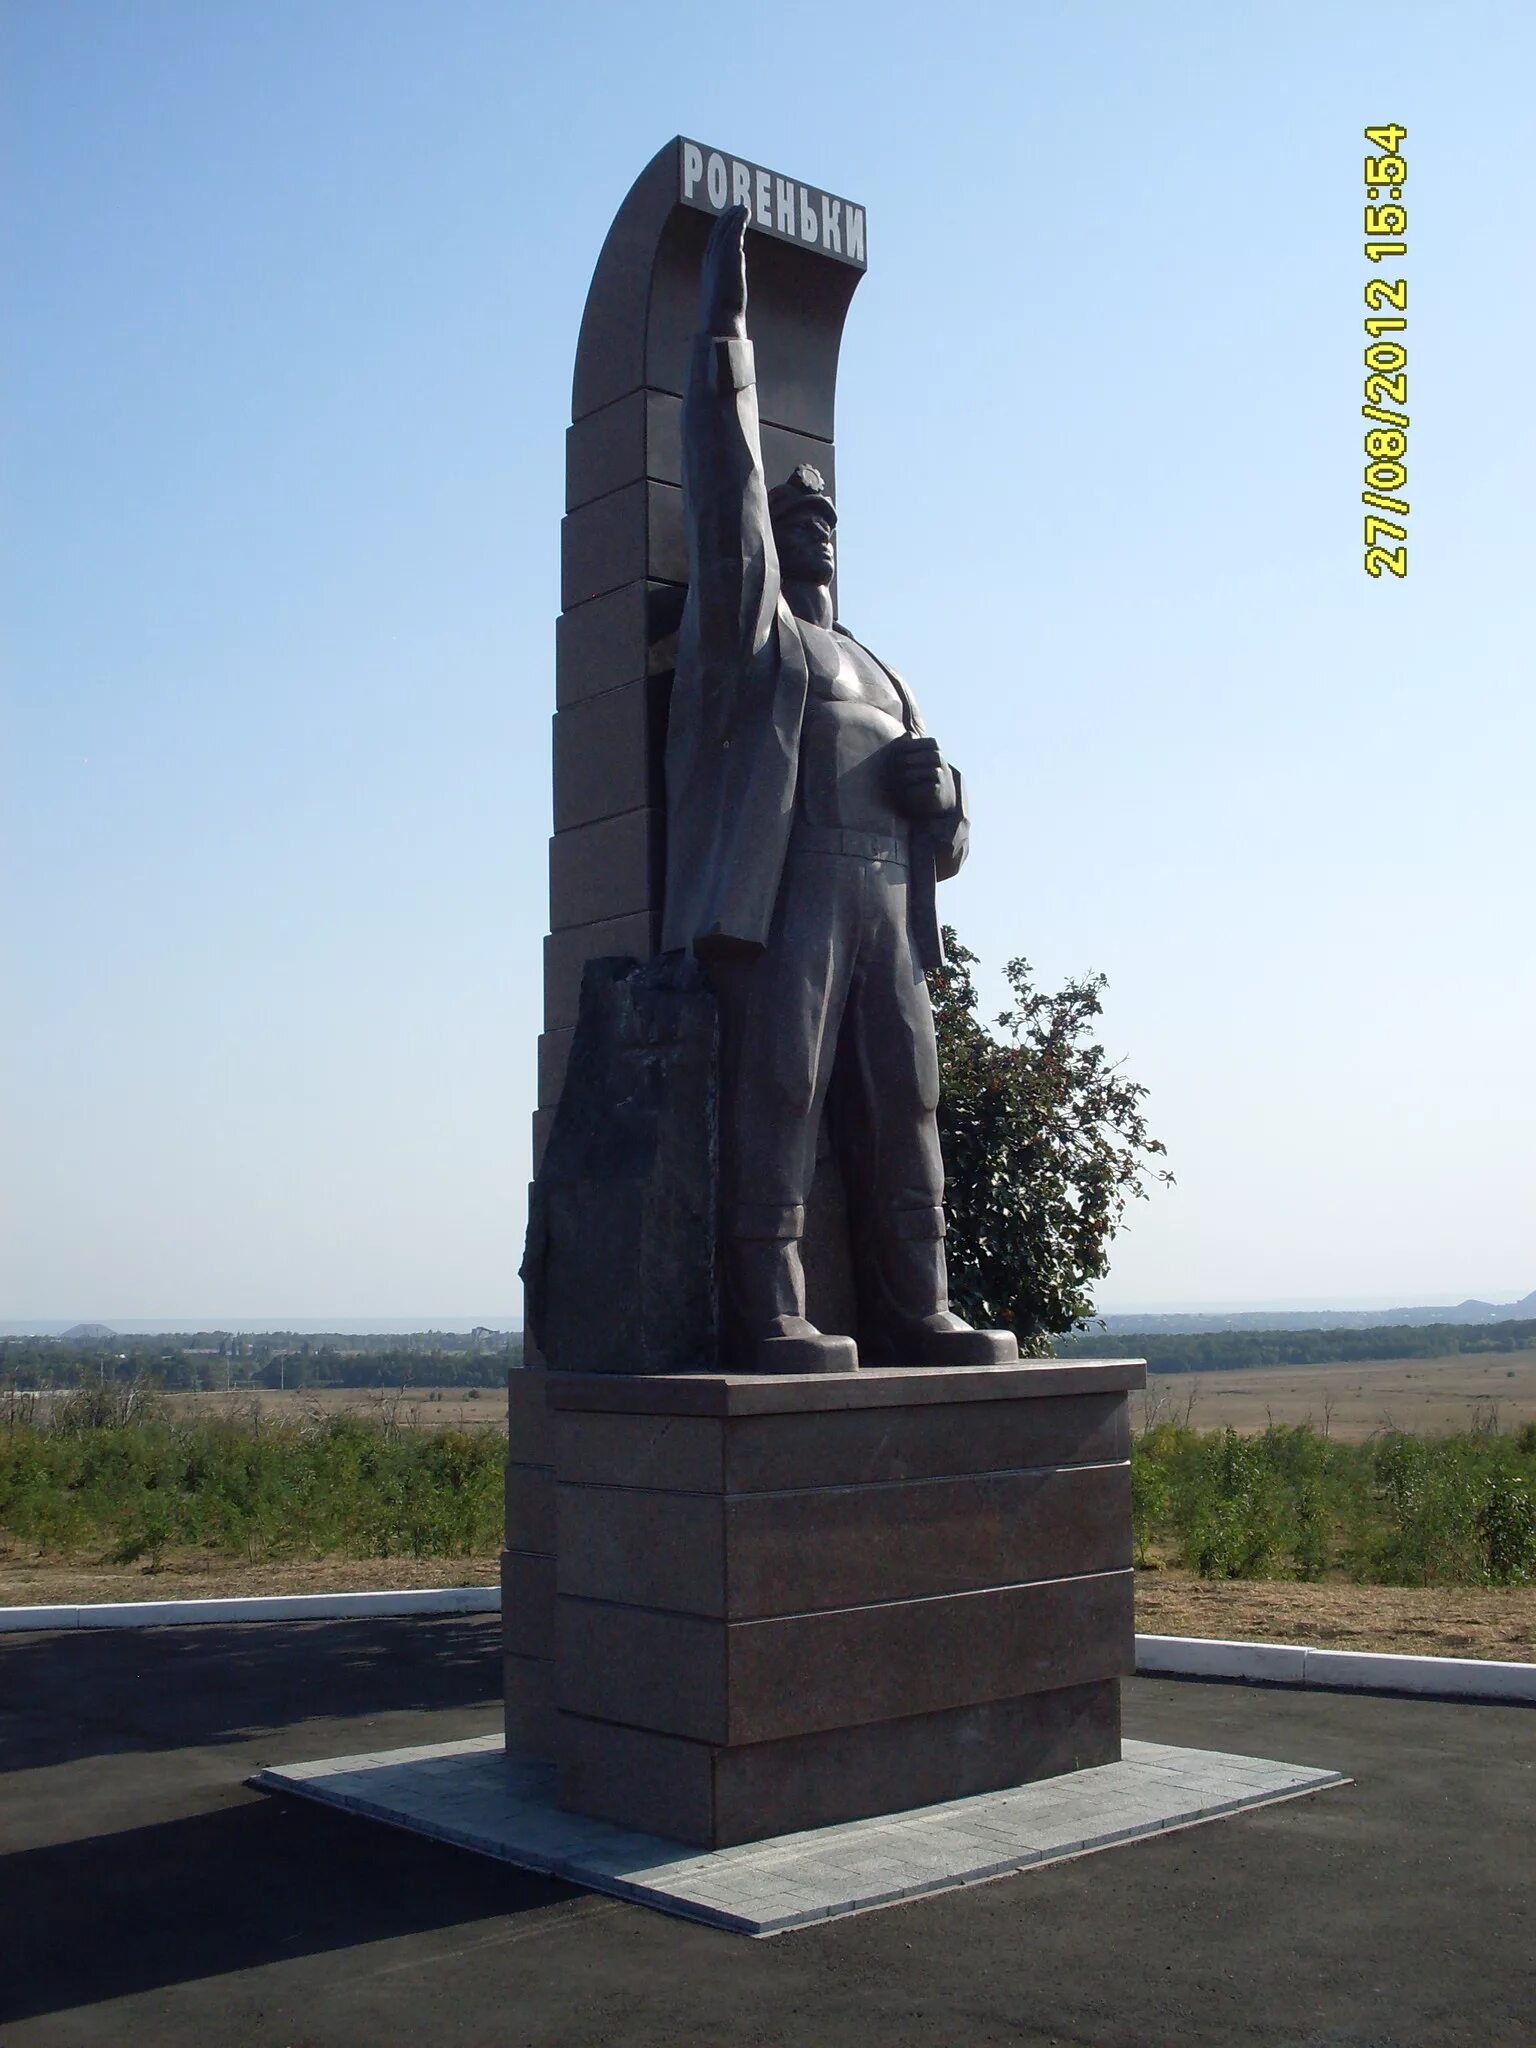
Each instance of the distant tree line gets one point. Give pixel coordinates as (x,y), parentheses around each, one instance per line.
(217,1359)
(189,1363)
(1229,1350)
(398,1367)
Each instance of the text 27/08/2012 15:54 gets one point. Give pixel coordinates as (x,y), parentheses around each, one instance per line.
(1386,362)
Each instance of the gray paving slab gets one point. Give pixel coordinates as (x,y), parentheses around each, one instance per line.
(477,1796)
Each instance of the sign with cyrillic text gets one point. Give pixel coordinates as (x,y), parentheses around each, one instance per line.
(711,180)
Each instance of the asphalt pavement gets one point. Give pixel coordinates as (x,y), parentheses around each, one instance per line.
(147,1895)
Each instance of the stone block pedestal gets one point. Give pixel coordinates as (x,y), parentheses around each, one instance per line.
(528,1568)
(781,1603)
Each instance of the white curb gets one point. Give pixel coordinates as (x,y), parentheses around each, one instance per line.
(277,1607)
(1335,1670)
(1195,1657)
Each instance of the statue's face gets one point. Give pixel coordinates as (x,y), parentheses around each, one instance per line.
(807,551)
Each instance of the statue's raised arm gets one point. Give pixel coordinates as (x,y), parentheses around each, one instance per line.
(724,277)
(733,566)
(736,706)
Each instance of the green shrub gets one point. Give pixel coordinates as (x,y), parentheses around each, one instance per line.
(1229,1512)
(1506,1527)
(1404,1510)
(1151,1496)
(136,1483)
(1448,1511)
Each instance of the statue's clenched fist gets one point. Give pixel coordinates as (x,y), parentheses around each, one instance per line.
(921,785)
(725,276)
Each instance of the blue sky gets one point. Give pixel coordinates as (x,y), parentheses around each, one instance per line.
(294,294)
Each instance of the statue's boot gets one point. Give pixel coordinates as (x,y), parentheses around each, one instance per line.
(912,1323)
(766,1329)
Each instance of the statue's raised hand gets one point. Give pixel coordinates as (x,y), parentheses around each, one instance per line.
(725,276)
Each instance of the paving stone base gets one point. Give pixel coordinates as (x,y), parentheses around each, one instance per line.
(475,1795)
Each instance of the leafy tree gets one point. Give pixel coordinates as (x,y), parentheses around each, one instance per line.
(1044,1144)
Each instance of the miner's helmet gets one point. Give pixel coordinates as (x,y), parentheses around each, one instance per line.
(804,490)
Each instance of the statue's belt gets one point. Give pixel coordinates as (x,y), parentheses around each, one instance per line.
(853,845)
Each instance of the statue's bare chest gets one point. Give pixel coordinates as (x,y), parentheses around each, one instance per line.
(853,712)
(842,673)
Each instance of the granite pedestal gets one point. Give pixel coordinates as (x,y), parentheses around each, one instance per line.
(782,1603)
(528,1569)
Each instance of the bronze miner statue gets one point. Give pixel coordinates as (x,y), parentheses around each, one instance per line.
(809,817)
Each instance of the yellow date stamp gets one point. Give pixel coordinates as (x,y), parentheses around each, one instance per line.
(1386,361)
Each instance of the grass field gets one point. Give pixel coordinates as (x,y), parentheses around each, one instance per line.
(1422,1396)
(411,1408)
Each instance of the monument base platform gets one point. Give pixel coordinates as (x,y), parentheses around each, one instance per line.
(478,1796)
(718,1796)
(784,1602)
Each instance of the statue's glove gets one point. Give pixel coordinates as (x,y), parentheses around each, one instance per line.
(921,784)
(724,276)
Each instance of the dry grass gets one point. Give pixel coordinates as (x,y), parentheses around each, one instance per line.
(1426,1396)
(46,1582)
(412,1408)
(1430,1396)
(1498,1622)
